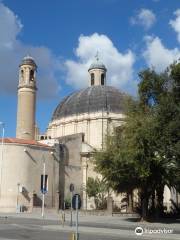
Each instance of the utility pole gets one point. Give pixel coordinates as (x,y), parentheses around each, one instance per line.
(43,190)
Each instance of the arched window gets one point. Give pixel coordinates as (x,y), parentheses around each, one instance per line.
(42,138)
(102,79)
(92,79)
(31,75)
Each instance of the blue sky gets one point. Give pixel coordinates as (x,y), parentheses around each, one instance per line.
(64,36)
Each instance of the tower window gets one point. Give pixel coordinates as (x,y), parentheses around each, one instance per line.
(31,75)
(92,79)
(102,79)
(22,74)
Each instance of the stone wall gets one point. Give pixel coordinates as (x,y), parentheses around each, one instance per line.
(21,170)
(70,166)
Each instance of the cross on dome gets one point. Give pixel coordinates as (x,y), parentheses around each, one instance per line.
(97,56)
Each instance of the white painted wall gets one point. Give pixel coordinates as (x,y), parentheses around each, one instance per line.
(23,164)
(93,125)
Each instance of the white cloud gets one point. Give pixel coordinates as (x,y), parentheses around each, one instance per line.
(145,17)
(157,55)
(12,50)
(176,23)
(119,65)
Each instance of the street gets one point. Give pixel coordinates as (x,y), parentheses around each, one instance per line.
(36,229)
(19,228)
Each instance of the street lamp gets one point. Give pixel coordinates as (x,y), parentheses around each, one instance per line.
(2,145)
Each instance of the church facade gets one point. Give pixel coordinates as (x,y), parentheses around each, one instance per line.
(81,122)
(32,164)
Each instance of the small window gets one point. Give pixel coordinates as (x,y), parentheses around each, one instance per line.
(22,75)
(92,79)
(31,75)
(102,79)
(82,137)
(42,138)
(44,183)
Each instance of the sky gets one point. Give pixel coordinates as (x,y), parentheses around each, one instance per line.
(64,36)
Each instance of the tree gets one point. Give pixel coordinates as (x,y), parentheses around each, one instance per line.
(98,189)
(162,93)
(144,152)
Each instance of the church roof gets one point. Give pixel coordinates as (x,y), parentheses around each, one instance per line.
(97,65)
(23,142)
(91,99)
(28,60)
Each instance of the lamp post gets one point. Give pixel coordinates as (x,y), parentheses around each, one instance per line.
(2,145)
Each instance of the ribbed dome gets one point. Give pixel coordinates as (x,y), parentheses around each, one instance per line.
(97,65)
(28,60)
(91,99)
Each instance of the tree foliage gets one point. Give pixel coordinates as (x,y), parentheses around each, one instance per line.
(144,152)
(98,189)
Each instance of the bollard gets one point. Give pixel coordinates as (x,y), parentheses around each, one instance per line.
(73,236)
(62,218)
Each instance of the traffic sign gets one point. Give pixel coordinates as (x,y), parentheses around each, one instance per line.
(71,187)
(44,191)
(74,201)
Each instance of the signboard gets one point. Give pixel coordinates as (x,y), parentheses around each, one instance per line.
(71,187)
(74,201)
(43,191)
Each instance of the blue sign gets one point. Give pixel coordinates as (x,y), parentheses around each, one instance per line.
(44,190)
(74,201)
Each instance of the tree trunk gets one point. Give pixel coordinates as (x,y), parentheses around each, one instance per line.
(160,197)
(130,201)
(144,204)
(153,199)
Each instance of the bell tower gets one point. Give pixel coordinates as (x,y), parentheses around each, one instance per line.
(97,72)
(25,128)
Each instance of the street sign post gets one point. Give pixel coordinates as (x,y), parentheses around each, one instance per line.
(77,197)
(71,188)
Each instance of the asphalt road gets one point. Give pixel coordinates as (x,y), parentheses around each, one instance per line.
(39,229)
(14,229)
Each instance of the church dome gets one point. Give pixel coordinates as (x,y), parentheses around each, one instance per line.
(97,65)
(28,60)
(89,100)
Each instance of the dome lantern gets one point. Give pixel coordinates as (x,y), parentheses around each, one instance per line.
(97,71)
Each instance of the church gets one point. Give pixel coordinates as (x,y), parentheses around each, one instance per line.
(32,163)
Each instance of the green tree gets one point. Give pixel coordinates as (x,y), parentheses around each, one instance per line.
(98,189)
(144,152)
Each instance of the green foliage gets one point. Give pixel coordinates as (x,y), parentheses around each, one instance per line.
(144,152)
(67,202)
(98,189)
